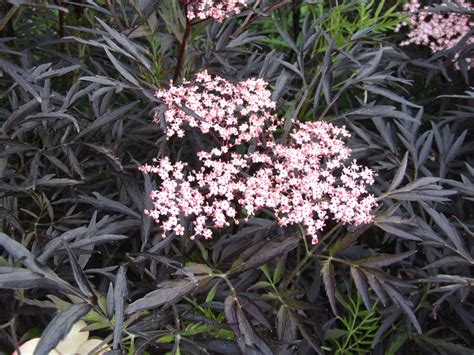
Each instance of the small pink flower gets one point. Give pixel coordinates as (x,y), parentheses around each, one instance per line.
(217,9)
(438,31)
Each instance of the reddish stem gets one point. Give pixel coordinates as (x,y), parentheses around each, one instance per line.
(182,49)
(114,15)
(61,32)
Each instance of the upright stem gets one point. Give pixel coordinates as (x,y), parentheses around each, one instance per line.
(62,46)
(182,49)
(61,28)
(309,255)
(6,27)
(114,15)
(296,19)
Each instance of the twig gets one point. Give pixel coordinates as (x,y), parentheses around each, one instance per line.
(302,263)
(61,28)
(182,49)
(115,16)
(296,19)
(248,21)
(8,17)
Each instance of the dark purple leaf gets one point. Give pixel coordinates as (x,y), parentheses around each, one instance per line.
(60,326)
(119,296)
(327,271)
(383,260)
(361,285)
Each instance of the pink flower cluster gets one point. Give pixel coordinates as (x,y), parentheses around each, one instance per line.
(217,9)
(438,31)
(306,181)
(235,113)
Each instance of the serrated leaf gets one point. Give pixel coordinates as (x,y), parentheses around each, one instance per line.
(78,273)
(327,271)
(253,311)
(167,293)
(404,304)
(121,69)
(230,313)
(106,118)
(400,174)
(60,326)
(267,253)
(110,301)
(450,231)
(452,260)
(381,111)
(14,71)
(389,94)
(378,261)
(342,243)
(106,203)
(279,269)
(119,299)
(361,285)
(19,278)
(212,293)
(21,253)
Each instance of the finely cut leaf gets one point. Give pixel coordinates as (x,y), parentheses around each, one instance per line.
(60,326)
(119,296)
(383,260)
(327,271)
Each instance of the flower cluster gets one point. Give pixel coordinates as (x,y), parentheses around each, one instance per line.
(308,180)
(217,9)
(438,31)
(218,106)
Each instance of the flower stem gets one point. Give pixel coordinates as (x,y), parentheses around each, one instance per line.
(182,49)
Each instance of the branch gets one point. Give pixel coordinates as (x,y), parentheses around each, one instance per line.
(182,49)
(115,16)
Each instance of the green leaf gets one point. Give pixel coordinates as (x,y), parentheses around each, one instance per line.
(212,293)
(279,270)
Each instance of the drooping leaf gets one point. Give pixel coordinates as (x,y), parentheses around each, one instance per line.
(167,294)
(400,174)
(266,253)
(60,326)
(18,251)
(79,275)
(361,285)
(253,311)
(383,260)
(329,279)
(19,278)
(119,299)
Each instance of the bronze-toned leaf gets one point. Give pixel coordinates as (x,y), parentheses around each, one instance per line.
(327,271)
(253,311)
(378,261)
(267,252)
(361,286)
(404,304)
(347,240)
(230,314)
(168,293)
(60,326)
(78,273)
(120,289)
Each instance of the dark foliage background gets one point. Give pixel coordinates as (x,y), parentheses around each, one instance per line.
(76,90)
